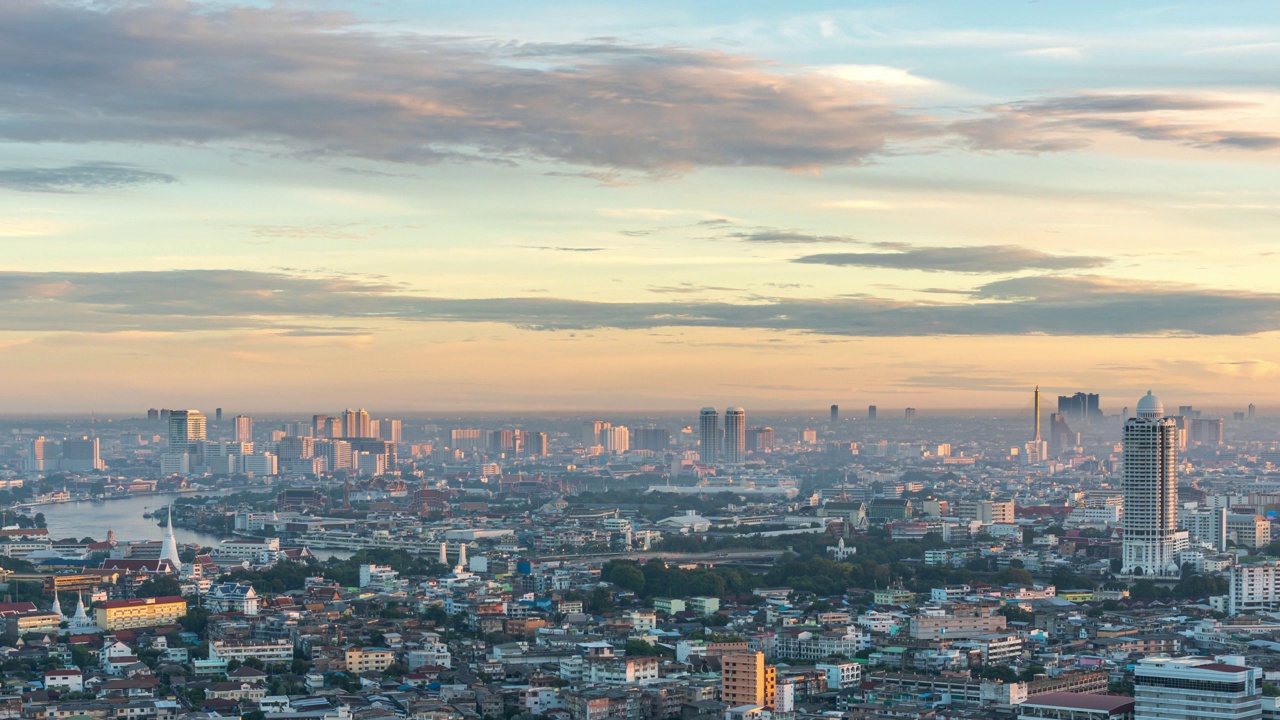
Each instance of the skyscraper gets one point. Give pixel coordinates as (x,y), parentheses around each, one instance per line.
(709,434)
(392,430)
(39,455)
(735,436)
(1152,540)
(242,429)
(871,412)
(835,413)
(356,423)
(909,414)
(186,428)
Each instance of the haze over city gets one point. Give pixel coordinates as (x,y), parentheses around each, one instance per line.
(445,206)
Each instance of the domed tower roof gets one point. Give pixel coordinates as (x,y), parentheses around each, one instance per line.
(1150,406)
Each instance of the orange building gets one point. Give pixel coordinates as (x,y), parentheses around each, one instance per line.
(745,679)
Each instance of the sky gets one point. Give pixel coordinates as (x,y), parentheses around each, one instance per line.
(559,206)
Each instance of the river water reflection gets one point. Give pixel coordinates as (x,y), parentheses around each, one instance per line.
(92,519)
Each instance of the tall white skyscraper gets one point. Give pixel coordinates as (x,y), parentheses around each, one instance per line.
(1152,540)
(39,454)
(709,434)
(186,428)
(735,436)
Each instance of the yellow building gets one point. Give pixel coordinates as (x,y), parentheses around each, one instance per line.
(745,679)
(139,612)
(365,659)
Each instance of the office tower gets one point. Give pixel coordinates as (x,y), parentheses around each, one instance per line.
(153,415)
(760,439)
(374,430)
(356,423)
(709,434)
(835,413)
(1253,410)
(296,448)
(591,432)
(1207,431)
(1152,540)
(871,412)
(734,450)
(1080,407)
(616,439)
(536,444)
(242,429)
(39,455)
(319,426)
(655,439)
(1189,412)
(337,454)
(186,428)
(745,679)
(501,440)
(909,414)
(164,415)
(1061,436)
(1195,688)
(334,430)
(467,438)
(81,455)
(392,430)
(217,415)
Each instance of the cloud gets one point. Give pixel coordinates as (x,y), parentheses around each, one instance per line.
(85,177)
(1074,121)
(975,259)
(563,249)
(320,84)
(786,237)
(177,301)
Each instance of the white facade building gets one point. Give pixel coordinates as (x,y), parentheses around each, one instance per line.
(1196,688)
(1255,586)
(1152,540)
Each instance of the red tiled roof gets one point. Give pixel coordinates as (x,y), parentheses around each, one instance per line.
(1222,667)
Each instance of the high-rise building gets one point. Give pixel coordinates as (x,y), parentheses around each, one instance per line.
(153,415)
(356,424)
(746,679)
(39,455)
(334,430)
(909,414)
(80,455)
(501,441)
(1061,436)
(217,415)
(616,439)
(242,428)
(1195,688)
(1207,431)
(536,444)
(1037,449)
(319,426)
(655,439)
(467,438)
(1255,587)
(1080,407)
(1252,411)
(871,412)
(835,413)
(709,434)
(391,430)
(1152,540)
(735,436)
(591,431)
(186,428)
(760,439)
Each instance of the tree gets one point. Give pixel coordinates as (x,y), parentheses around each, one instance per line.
(163,586)
(999,672)
(40,521)
(624,574)
(1012,576)
(600,601)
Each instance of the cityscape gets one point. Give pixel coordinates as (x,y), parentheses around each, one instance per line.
(650,360)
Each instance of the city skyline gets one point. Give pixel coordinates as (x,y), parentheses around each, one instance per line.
(519,208)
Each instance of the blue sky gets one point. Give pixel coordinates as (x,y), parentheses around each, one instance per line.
(591,205)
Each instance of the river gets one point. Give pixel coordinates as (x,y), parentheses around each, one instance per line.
(81,519)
